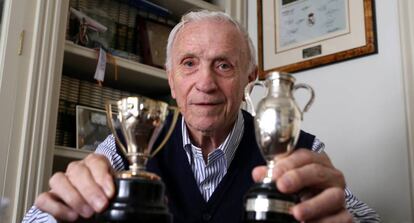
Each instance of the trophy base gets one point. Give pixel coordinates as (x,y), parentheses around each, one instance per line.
(264,203)
(137,199)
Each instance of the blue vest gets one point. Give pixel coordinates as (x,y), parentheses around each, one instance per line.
(226,203)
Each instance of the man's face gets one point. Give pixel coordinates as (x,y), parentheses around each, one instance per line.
(208,74)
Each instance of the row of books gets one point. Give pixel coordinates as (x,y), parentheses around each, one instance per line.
(75,92)
(127,30)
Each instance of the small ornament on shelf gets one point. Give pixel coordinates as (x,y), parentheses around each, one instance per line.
(88,30)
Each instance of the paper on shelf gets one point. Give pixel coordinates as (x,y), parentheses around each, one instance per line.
(100,68)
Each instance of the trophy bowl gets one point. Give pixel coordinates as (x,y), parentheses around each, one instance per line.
(277,122)
(139,194)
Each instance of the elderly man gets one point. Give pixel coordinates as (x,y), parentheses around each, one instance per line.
(208,161)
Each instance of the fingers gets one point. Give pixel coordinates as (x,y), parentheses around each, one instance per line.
(64,191)
(320,184)
(47,202)
(88,183)
(311,175)
(299,158)
(102,173)
(302,169)
(259,173)
(327,203)
(84,189)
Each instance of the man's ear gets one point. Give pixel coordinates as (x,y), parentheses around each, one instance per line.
(171,83)
(253,74)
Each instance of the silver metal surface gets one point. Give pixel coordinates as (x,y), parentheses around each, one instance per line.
(268,205)
(277,117)
(140,120)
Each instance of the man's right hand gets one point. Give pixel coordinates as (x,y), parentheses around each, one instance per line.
(85,188)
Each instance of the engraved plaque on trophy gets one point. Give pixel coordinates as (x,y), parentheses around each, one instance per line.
(139,194)
(277,126)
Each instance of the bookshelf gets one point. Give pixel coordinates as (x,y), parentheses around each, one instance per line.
(80,63)
(64,155)
(71,153)
(180,7)
(79,60)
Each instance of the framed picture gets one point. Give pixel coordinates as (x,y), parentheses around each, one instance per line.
(91,127)
(153,37)
(295,35)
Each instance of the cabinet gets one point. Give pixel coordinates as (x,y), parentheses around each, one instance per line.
(79,63)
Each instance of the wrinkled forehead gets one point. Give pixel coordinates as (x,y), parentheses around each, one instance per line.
(210,33)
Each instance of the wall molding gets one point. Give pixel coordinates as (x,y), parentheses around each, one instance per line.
(48,61)
(14,89)
(238,10)
(34,97)
(406,17)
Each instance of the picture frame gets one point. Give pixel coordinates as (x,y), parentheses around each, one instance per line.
(91,127)
(153,38)
(295,35)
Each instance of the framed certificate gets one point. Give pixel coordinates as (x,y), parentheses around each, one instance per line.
(295,35)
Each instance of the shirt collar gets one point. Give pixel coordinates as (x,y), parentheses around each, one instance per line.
(229,146)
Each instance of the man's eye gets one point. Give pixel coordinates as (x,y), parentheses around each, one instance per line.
(188,63)
(224,66)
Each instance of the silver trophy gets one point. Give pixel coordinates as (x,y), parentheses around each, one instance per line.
(277,122)
(136,128)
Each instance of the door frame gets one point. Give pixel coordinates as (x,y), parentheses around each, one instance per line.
(32,55)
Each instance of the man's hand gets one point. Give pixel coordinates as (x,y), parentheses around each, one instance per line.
(319,184)
(85,188)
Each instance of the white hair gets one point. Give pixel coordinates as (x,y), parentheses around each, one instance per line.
(210,15)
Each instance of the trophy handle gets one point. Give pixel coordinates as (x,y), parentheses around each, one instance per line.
(311,99)
(247,90)
(108,106)
(170,130)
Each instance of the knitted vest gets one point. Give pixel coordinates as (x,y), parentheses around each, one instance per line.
(226,203)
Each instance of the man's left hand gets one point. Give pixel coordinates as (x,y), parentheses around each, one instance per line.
(319,184)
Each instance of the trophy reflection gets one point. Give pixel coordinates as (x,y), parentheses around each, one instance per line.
(277,126)
(139,194)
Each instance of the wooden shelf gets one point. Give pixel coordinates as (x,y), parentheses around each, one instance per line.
(80,62)
(181,7)
(71,153)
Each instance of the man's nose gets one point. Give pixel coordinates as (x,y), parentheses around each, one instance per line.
(206,81)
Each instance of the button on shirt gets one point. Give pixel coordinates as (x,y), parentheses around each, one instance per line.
(209,174)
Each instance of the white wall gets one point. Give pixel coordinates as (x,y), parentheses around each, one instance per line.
(359,114)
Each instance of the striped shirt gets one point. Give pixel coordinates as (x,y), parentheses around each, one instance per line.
(208,175)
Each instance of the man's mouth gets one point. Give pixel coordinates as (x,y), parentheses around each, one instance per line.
(207,103)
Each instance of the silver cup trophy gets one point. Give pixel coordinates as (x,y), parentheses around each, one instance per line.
(277,122)
(139,195)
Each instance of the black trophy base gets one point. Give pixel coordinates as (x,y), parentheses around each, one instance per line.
(264,203)
(137,200)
